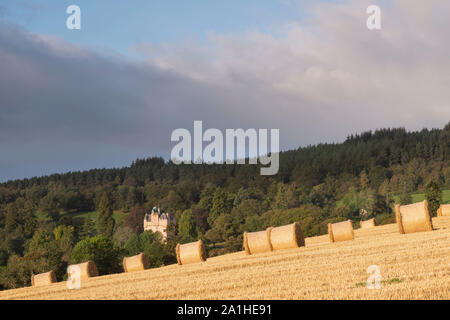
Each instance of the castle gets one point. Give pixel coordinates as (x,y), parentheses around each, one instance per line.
(158,222)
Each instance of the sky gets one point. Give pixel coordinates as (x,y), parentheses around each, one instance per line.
(114,91)
(121,24)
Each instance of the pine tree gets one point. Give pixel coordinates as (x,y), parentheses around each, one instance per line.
(433,194)
(88,229)
(105,222)
(187,227)
(281,201)
(12,217)
(49,206)
(364,180)
(219,205)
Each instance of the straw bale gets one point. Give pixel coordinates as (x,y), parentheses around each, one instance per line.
(444,210)
(88,269)
(257,242)
(191,252)
(135,263)
(340,231)
(43,279)
(285,237)
(367,223)
(413,217)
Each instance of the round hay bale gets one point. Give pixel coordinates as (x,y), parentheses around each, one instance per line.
(87,269)
(43,279)
(285,237)
(135,263)
(413,217)
(340,231)
(190,252)
(367,223)
(444,210)
(257,242)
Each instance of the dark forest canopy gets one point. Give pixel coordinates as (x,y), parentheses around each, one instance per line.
(384,147)
(43,224)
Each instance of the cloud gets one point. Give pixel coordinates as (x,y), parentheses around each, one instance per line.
(65,107)
(396,76)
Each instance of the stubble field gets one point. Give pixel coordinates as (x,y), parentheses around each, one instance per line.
(412,266)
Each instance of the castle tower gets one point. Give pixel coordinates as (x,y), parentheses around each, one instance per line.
(158,222)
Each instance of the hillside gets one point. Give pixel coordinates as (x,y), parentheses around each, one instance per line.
(413,266)
(47,223)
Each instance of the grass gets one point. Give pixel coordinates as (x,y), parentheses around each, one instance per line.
(417,197)
(446,196)
(117,215)
(394,280)
(412,264)
(390,281)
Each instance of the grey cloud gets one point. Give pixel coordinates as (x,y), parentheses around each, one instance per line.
(65,107)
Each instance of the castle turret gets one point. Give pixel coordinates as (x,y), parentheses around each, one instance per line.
(158,222)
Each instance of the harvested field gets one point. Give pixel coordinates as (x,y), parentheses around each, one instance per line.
(412,266)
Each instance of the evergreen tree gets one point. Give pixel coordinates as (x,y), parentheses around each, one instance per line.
(364,180)
(170,244)
(187,228)
(433,194)
(29,219)
(12,219)
(292,196)
(105,222)
(281,201)
(88,229)
(240,196)
(133,245)
(201,219)
(206,198)
(50,207)
(219,205)
(64,235)
(405,196)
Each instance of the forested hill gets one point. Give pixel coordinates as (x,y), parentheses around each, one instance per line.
(315,185)
(306,166)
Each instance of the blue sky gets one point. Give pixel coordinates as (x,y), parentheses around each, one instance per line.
(119,25)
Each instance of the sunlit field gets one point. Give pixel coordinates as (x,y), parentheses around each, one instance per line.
(412,266)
